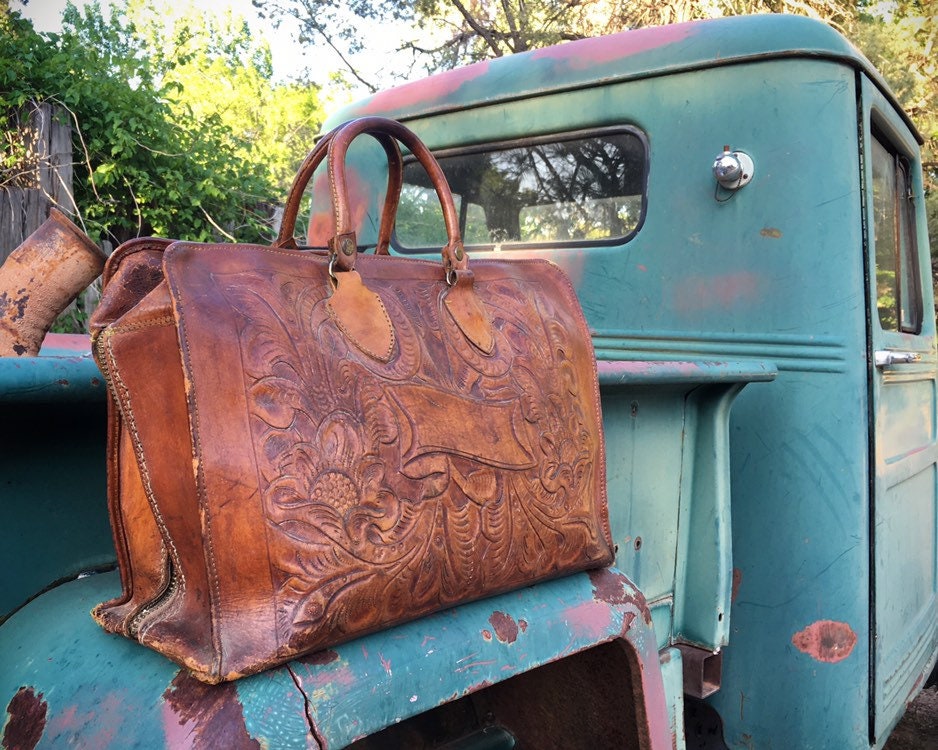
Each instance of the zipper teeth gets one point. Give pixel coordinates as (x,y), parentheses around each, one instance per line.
(158,602)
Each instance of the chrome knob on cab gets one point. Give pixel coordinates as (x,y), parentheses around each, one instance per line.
(733,169)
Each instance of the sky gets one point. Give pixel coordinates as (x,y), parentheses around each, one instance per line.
(289,59)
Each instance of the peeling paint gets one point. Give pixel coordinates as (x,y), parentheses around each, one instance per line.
(614,588)
(506,629)
(196,715)
(771,233)
(26,720)
(486,635)
(826,641)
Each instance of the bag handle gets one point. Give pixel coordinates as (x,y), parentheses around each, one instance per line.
(343,247)
(285,238)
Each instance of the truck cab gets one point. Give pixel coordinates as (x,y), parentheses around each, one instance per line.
(739,205)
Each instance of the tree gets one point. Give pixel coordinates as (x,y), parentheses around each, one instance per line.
(903,45)
(156,153)
(448,33)
(900,38)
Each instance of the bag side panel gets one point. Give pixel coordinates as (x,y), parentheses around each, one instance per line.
(131,272)
(146,373)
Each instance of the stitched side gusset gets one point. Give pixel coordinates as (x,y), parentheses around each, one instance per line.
(122,395)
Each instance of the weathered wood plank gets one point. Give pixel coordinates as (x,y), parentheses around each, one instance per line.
(45,178)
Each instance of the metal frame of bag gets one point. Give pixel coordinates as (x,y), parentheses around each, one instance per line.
(307,447)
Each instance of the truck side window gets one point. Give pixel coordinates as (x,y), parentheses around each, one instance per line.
(572,189)
(898,296)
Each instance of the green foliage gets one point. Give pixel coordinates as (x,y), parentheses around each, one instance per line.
(443,34)
(902,45)
(172,121)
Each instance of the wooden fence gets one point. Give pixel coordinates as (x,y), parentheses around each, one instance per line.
(42,179)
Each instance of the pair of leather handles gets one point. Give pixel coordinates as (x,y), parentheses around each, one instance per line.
(333,147)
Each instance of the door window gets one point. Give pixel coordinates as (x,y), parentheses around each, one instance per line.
(898,295)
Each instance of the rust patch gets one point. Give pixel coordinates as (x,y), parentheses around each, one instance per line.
(486,635)
(737,579)
(197,715)
(523,624)
(613,588)
(506,629)
(771,232)
(26,720)
(826,640)
(15,308)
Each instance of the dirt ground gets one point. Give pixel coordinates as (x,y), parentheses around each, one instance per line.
(918,729)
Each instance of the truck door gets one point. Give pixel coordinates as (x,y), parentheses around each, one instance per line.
(902,362)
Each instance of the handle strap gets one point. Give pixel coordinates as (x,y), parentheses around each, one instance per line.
(343,246)
(285,238)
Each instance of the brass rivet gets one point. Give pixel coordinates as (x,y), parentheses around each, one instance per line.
(459,252)
(347,247)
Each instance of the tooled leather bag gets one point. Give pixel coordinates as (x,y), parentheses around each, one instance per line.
(307,447)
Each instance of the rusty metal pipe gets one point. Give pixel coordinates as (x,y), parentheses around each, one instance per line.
(40,279)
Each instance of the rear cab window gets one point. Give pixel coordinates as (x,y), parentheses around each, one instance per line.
(575,189)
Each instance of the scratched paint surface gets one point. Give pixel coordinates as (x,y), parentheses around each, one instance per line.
(64,681)
(99,690)
(390,676)
(63,372)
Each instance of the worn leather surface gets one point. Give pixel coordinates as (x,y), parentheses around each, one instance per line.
(319,466)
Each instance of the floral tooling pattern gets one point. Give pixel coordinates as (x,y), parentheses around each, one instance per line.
(395,489)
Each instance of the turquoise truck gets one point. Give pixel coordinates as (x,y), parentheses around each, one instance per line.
(739,204)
